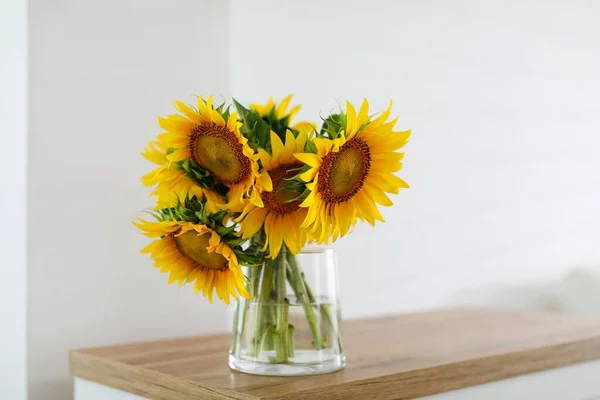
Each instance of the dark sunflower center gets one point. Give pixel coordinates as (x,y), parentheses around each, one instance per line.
(278,201)
(343,174)
(194,246)
(218,150)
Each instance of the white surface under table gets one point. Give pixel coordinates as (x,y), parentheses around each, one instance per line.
(575,382)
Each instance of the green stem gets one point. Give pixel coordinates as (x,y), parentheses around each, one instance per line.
(254,274)
(300,290)
(331,322)
(282,309)
(291,340)
(252,287)
(262,313)
(266,343)
(242,306)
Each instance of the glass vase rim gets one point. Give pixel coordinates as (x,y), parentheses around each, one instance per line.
(317,250)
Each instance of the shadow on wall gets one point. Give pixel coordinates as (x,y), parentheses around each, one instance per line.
(578,292)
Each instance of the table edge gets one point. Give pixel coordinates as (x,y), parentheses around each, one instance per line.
(406,384)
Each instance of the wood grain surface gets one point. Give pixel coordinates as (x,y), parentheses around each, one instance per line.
(396,357)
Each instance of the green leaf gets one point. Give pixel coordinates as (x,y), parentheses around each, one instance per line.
(255,129)
(333,124)
(226,113)
(236,242)
(310,147)
(224,231)
(218,216)
(248,260)
(243,111)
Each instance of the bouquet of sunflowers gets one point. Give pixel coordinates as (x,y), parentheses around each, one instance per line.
(246,187)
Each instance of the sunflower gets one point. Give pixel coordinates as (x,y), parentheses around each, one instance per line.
(172,185)
(281,215)
(351,173)
(195,253)
(216,145)
(280,118)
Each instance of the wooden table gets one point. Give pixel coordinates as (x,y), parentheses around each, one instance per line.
(398,357)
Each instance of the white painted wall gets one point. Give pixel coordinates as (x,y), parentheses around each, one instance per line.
(101,71)
(13,191)
(503,101)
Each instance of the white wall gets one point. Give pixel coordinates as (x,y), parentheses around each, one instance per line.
(13,185)
(101,71)
(503,101)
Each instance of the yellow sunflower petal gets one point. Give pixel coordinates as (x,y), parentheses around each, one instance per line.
(276,144)
(300,142)
(232,122)
(179,155)
(208,287)
(265,159)
(323,145)
(310,159)
(187,111)
(273,229)
(382,118)
(290,147)
(312,197)
(174,139)
(221,286)
(175,123)
(351,123)
(209,103)
(266,182)
(256,199)
(362,118)
(242,289)
(290,235)
(282,108)
(253,222)
(308,175)
(362,203)
(342,218)
(218,118)
(230,281)
(307,128)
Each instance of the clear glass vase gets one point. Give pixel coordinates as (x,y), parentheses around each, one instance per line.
(292,324)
